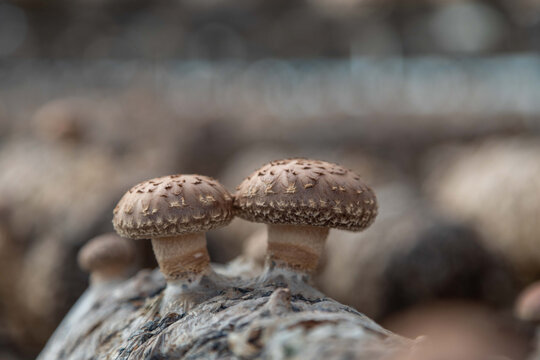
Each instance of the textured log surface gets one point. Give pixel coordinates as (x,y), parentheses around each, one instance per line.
(267,317)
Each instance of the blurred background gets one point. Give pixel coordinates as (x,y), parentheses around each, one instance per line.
(436,103)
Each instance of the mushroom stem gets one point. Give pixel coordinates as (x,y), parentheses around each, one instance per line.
(296,247)
(182,257)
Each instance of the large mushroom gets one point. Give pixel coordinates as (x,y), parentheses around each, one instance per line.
(175,212)
(300,200)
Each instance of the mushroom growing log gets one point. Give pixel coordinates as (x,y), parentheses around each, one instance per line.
(250,319)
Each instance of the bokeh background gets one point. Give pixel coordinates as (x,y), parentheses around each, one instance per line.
(436,103)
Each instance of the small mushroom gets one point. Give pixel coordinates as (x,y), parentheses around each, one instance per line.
(528,303)
(300,200)
(107,258)
(175,212)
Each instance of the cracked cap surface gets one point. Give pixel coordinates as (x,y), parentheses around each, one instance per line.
(106,250)
(172,205)
(306,192)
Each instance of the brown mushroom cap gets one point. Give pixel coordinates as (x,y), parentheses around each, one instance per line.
(105,251)
(172,205)
(306,192)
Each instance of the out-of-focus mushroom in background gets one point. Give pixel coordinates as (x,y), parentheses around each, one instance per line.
(60,120)
(108,258)
(493,186)
(527,309)
(527,305)
(250,262)
(255,247)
